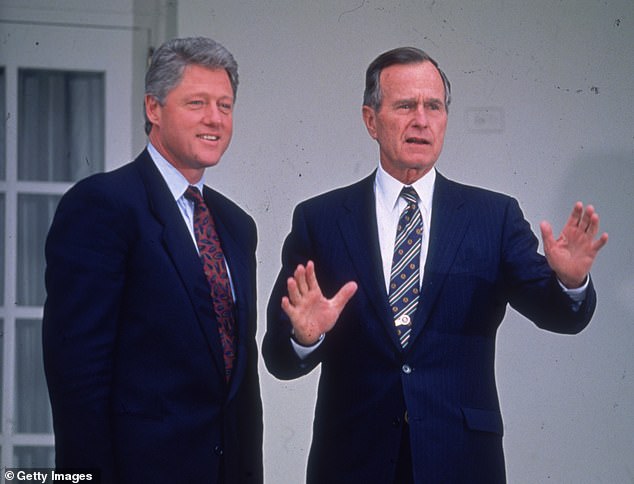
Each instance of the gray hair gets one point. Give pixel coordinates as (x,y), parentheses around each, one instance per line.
(170,59)
(372,96)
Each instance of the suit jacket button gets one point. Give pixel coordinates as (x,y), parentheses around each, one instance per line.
(219,451)
(406,369)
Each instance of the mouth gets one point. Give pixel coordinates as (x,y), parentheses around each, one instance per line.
(208,137)
(417,141)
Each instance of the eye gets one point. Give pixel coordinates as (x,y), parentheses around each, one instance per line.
(225,106)
(195,103)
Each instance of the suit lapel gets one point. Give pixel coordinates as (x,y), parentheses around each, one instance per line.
(450,220)
(359,229)
(179,246)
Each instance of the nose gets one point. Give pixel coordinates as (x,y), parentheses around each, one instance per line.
(420,115)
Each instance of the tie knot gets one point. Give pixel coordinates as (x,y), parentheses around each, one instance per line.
(192,193)
(409,195)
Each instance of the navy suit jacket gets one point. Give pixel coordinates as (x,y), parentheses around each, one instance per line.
(482,257)
(132,354)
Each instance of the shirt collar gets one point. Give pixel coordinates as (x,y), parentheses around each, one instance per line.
(388,189)
(175,180)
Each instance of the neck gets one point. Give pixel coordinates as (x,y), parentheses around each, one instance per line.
(409,176)
(192,174)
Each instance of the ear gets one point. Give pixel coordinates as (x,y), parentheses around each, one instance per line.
(152,109)
(369,118)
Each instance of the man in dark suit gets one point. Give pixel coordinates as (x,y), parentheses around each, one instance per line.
(398,294)
(150,320)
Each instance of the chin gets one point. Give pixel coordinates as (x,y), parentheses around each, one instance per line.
(420,165)
(209,160)
(210,164)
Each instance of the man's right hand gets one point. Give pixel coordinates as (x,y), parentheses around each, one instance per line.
(311,313)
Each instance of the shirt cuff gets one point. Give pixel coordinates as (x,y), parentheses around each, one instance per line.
(578,295)
(304,351)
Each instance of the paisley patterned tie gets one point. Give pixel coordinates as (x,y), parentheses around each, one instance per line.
(214,266)
(405,273)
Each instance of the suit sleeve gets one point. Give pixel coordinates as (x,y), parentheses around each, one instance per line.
(532,285)
(249,420)
(85,276)
(277,351)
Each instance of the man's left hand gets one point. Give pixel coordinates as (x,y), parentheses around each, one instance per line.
(572,254)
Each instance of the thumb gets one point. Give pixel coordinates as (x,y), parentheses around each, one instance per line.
(547,234)
(344,295)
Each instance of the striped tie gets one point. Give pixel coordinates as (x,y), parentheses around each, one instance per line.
(405,274)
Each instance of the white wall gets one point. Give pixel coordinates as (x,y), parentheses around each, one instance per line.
(558,77)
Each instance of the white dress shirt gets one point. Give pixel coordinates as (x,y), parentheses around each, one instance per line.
(178,185)
(389,207)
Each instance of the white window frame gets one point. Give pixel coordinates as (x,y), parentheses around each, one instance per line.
(60,46)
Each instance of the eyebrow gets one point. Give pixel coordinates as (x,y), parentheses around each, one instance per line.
(207,94)
(433,100)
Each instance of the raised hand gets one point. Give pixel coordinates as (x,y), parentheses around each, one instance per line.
(311,313)
(572,254)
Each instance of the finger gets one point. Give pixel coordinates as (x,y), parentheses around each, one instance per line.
(311,277)
(586,218)
(291,311)
(300,278)
(575,215)
(600,242)
(288,308)
(593,226)
(547,235)
(344,295)
(286,304)
(294,294)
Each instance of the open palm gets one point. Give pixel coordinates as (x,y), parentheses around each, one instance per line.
(572,254)
(310,312)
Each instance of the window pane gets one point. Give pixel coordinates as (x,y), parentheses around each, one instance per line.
(35,213)
(3,125)
(34,457)
(61,124)
(32,409)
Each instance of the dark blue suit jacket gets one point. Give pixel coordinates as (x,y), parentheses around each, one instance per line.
(482,257)
(132,353)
